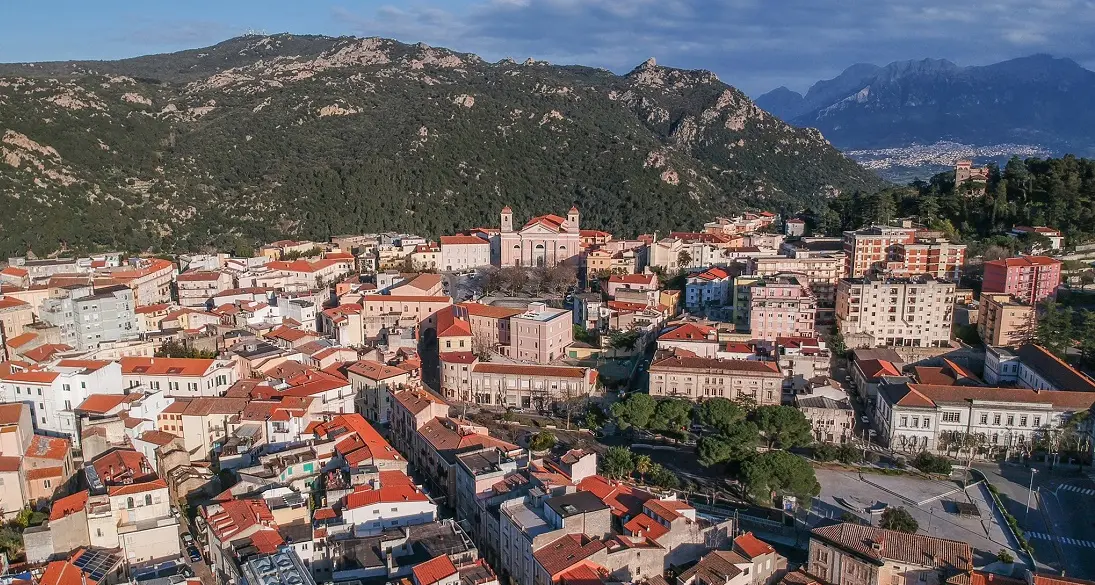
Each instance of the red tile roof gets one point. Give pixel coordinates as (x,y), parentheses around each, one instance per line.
(375,370)
(198,276)
(752,547)
(462,240)
(433,570)
(879,545)
(10,464)
(566,552)
(527,370)
(10,413)
(267,541)
(63,573)
(365,442)
(45,472)
(929,395)
(645,279)
(688,332)
(678,361)
(550,221)
(457,357)
(236,516)
(395,487)
(43,447)
(712,274)
(102,403)
(21,340)
(668,510)
(623,499)
(489,311)
(875,369)
(12,303)
(162,366)
(46,352)
(449,325)
(68,505)
(1023,261)
(643,525)
(122,465)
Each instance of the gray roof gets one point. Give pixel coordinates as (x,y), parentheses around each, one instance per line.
(878,353)
(822,402)
(576,503)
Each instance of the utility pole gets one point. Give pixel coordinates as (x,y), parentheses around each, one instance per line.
(1030,491)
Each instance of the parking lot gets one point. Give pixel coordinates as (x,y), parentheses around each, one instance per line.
(934,505)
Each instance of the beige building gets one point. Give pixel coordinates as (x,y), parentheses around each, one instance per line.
(397,310)
(822,272)
(465,379)
(698,378)
(852,554)
(876,311)
(540,334)
(196,287)
(150,280)
(782,306)
(833,421)
(15,315)
(460,253)
(1003,321)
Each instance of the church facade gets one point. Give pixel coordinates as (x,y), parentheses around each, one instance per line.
(546,240)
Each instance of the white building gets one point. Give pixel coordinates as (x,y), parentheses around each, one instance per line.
(54,393)
(917,417)
(196,287)
(179,377)
(710,288)
(390,501)
(460,253)
(877,311)
(1032,366)
(87,317)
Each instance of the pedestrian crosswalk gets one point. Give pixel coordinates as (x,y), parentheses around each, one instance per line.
(1062,539)
(1076,488)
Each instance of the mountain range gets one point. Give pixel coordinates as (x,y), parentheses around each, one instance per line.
(263,137)
(1038,100)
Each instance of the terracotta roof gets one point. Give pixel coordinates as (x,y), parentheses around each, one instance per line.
(416,400)
(123,465)
(875,369)
(981,578)
(712,274)
(10,413)
(359,441)
(45,472)
(457,357)
(623,499)
(718,566)
(198,275)
(668,510)
(442,435)
(1054,370)
(692,362)
(584,574)
(407,299)
(157,308)
(137,488)
(43,447)
(489,311)
(267,541)
(10,464)
(12,303)
(162,366)
(738,348)
(324,514)
(236,516)
(688,332)
(462,240)
(929,395)
(21,340)
(46,352)
(752,547)
(879,545)
(528,370)
(159,438)
(102,403)
(566,552)
(644,525)
(449,325)
(86,365)
(68,505)
(63,573)
(645,279)
(433,570)
(1023,261)
(375,370)
(30,377)
(14,271)
(626,306)
(424,281)
(550,221)
(395,487)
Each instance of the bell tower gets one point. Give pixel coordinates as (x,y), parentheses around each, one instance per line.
(507,219)
(572,217)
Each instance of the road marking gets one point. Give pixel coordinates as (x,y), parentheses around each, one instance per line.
(1064,539)
(1078,489)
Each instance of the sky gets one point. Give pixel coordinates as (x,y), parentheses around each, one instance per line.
(756,45)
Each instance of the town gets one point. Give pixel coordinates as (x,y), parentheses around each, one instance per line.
(541,404)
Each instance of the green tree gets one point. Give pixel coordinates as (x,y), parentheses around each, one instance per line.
(898,519)
(671,414)
(684,259)
(1054,330)
(1087,338)
(929,463)
(778,472)
(637,411)
(662,477)
(1005,556)
(618,463)
(542,441)
(11,542)
(928,208)
(643,465)
(783,426)
(623,340)
(720,414)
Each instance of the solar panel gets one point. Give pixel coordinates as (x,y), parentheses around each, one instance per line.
(95,563)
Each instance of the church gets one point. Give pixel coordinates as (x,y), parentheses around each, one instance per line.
(546,240)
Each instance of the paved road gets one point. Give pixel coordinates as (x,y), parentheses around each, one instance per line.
(1061,523)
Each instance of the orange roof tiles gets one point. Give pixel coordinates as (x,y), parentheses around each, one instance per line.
(267,541)
(368,444)
(46,352)
(395,487)
(102,403)
(449,325)
(14,271)
(688,332)
(10,413)
(645,279)
(43,447)
(161,366)
(874,369)
(914,549)
(527,370)
(236,516)
(623,499)
(68,505)
(21,340)
(643,525)
(375,370)
(550,221)
(31,377)
(462,240)
(10,464)
(433,570)
(752,546)
(45,472)
(121,465)
(63,573)
(12,303)
(680,361)
(566,552)
(668,510)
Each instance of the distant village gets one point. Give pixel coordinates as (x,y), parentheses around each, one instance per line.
(346,411)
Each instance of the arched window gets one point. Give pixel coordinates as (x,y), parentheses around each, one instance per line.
(129,503)
(148,499)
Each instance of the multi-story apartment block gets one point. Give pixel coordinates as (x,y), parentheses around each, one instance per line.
(149,278)
(853,554)
(902,251)
(1030,279)
(710,288)
(15,315)
(460,253)
(698,378)
(464,378)
(179,377)
(54,393)
(822,272)
(86,318)
(917,417)
(869,249)
(540,334)
(196,287)
(537,521)
(546,240)
(782,306)
(913,311)
(1002,321)
(400,311)
(930,254)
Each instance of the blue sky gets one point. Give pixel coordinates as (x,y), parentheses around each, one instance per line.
(754,44)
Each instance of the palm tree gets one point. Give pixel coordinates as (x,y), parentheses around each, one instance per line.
(643,465)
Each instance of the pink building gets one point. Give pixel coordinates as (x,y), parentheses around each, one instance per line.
(547,240)
(782,306)
(634,282)
(540,334)
(1029,279)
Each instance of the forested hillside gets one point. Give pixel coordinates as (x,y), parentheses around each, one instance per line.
(264,137)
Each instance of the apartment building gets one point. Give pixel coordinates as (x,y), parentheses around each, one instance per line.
(390,500)
(179,377)
(540,334)
(130,507)
(398,311)
(15,315)
(702,340)
(832,421)
(490,325)
(868,250)
(87,317)
(916,417)
(914,311)
(1032,366)
(853,554)
(902,251)
(344,324)
(461,253)
(373,382)
(465,379)
(529,525)
(55,392)
(710,288)
(150,279)
(782,305)
(698,378)
(930,254)
(196,287)
(309,275)
(822,272)
(644,283)
(1002,321)
(1030,279)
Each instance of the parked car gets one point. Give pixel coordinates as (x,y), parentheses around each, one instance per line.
(194,554)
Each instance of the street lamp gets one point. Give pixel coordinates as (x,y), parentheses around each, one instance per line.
(1030,490)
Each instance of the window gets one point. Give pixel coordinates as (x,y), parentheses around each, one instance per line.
(996,420)
(984,418)
(148,499)
(904,421)
(951,416)
(129,503)
(1011,420)
(1023,420)
(1037,421)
